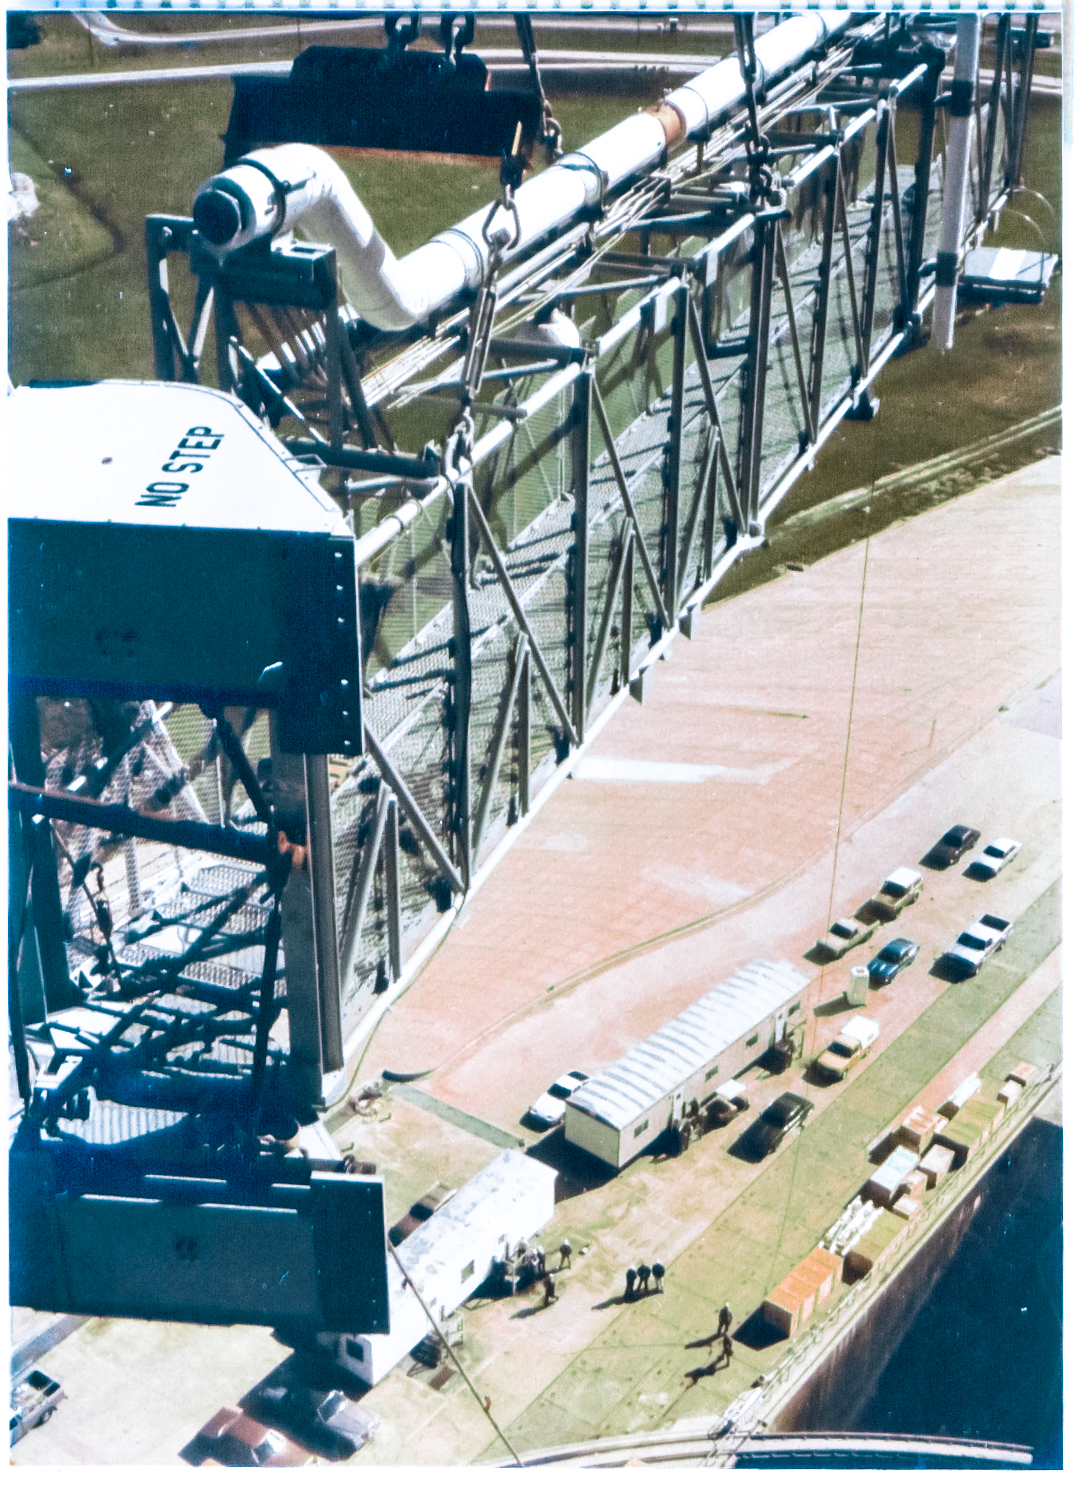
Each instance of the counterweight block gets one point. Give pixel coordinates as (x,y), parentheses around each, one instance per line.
(358,97)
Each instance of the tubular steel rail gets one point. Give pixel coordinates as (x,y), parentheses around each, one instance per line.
(591,453)
(787,1450)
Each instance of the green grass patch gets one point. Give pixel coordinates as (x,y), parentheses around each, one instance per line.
(62,237)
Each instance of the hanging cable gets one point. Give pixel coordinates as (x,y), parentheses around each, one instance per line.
(445,1342)
(834,861)
(552,141)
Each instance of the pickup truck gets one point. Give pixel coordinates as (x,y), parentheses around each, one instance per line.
(900,889)
(34,1398)
(974,944)
(844,933)
(852,1042)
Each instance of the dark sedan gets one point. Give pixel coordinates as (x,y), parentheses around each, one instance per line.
(787,1113)
(958,840)
(891,958)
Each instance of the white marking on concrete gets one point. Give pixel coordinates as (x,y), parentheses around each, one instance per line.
(644,771)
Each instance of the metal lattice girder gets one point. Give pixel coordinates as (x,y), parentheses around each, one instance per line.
(724,323)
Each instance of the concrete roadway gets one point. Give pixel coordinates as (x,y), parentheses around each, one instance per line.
(699,834)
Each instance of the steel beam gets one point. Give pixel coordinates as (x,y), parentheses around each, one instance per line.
(671,528)
(460,696)
(580,452)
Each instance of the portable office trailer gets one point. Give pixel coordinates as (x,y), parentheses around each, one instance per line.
(450,1255)
(624,1109)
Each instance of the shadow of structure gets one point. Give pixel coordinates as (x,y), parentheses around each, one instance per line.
(757,1333)
(578,1171)
(831,1007)
(946,969)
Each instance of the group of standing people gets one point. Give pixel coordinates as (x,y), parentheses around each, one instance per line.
(638,1280)
(525,1266)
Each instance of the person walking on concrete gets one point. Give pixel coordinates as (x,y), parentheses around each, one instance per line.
(630,1282)
(726,1319)
(658,1274)
(566,1251)
(644,1274)
(550,1292)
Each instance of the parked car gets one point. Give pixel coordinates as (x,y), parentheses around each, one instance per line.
(900,889)
(435,1199)
(891,958)
(315,1413)
(994,858)
(787,1113)
(34,1399)
(844,934)
(977,943)
(852,1043)
(549,1108)
(724,1105)
(233,1438)
(957,841)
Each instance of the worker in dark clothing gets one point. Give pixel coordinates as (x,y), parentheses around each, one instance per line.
(726,1319)
(540,1260)
(658,1273)
(644,1275)
(566,1251)
(550,1292)
(630,1282)
(727,1350)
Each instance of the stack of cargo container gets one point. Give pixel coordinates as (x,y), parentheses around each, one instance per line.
(935,1164)
(878,1243)
(918,1129)
(971,1126)
(791,1303)
(883,1185)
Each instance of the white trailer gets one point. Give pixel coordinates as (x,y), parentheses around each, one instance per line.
(449,1256)
(624,1109)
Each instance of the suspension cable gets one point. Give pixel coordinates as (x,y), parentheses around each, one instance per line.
(445,1342)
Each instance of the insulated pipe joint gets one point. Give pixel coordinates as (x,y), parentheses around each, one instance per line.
(262,195)
(271,190)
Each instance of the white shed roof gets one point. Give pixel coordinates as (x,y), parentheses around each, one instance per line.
(661,1063)
(482,1211)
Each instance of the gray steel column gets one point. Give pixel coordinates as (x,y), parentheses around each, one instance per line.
(393,891)
(672,463)
(524,737)
(45,917)
(324,908)
(288,788)
(460,705)
(922,179)
(755,384)
(581,473)
(1002,28)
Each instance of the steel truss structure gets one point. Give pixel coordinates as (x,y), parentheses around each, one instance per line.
(546,484)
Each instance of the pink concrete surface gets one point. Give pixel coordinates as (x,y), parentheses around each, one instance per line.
(623,902)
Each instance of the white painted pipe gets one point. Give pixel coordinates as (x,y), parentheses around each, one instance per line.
(271,190)
(956,185)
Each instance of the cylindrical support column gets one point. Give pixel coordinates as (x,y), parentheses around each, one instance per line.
(956,185)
